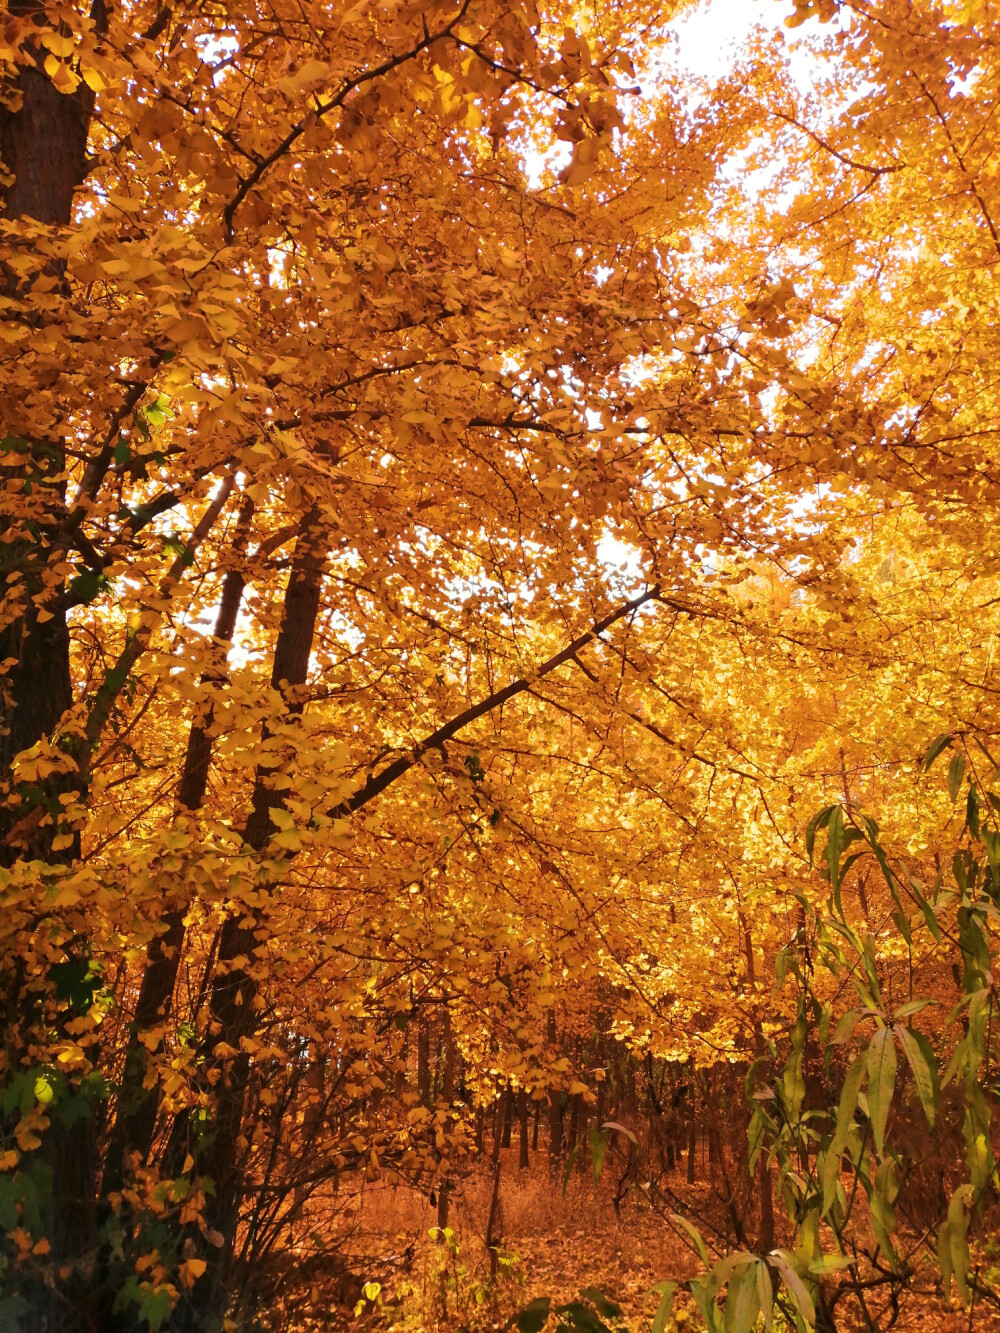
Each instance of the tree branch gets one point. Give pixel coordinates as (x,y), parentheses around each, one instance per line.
(378,782)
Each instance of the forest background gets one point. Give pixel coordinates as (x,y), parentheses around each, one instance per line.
(500,609)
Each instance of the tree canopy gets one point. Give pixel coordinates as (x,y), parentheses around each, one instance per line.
(474,491)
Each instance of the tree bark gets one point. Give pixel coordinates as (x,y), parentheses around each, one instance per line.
(522,1119)
(43,146)
(234,988)
(136,1118)
(423,1060)
(555,1108)
(448,1096)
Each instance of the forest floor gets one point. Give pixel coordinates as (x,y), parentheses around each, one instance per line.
(556,1244)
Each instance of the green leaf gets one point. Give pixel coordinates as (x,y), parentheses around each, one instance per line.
(793,1086)
(959,1057)
(601,1303)
(121,453)
(920,1054)
(818,821)
(621,1129)
(797,1289)
(665,1291)
(845,1027)
(881,1061)
(835,845)
(901,923)
(884,1192)
(765,1293)
(695,1235)
(953,1247)
(598,1151)
(781,967)
(704,1298)
(956,771)
(845,1118)
(86,586)
(742,1300)
(830,1263)
(579,1319)
(972,813)
(154,1306)
(930,916)
(934,749)
(534,1316)
(913,1007)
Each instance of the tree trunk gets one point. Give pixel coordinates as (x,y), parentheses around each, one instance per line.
(574,1121)
(136,1120)
(555,1106)
(423,1060)
(692,1146)
(43,146)
(522,1118)
(234,988)
(447,1095)
(499,1121)
(480,1130)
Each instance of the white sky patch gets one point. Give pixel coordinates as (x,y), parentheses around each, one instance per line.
(711,37)
(622,563)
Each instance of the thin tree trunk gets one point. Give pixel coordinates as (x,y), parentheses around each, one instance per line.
(574,1122)
(522,1116)
(555,1107)
(423,1060)
(499,1121)
(508,1117)
(448,1095)
(692,1145)
(494,1220)
(234,988)
(480,1129)
(136,1120)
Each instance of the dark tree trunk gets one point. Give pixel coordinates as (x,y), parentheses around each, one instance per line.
(522,1119)
(136,1119)
(692,1146)
(447,1095)
(555,1108)
(480,1130)
(43,145)
(574,1121)
(423,1060)
(508,1116)
(234,988)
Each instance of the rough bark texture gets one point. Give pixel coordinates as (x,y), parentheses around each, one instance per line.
(43,145)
